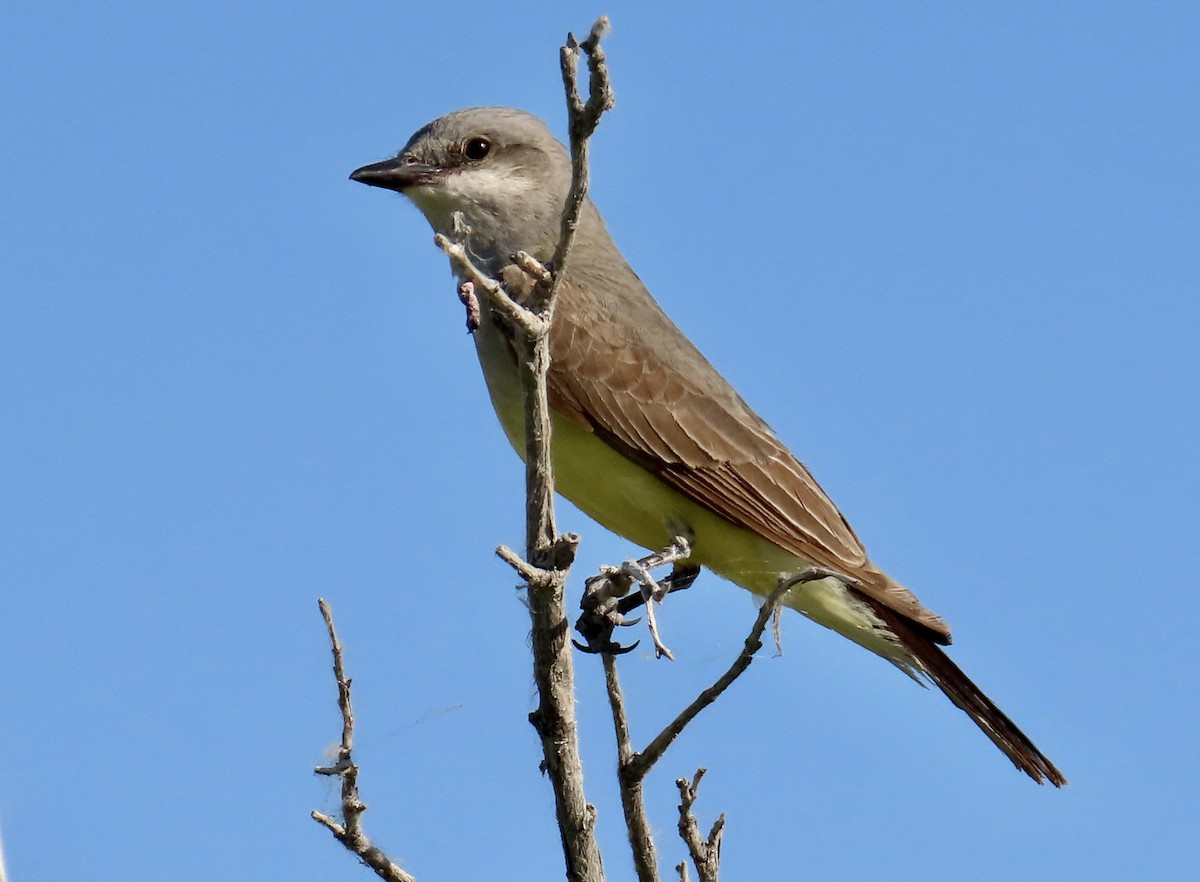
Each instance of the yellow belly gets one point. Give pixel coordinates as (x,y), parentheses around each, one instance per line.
(631,502)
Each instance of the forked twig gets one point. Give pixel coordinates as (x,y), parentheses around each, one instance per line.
(641,763)
(706,853)
(633,767)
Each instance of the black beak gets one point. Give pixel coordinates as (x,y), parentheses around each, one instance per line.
(396,174)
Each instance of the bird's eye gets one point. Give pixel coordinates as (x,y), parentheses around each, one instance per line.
(476,149)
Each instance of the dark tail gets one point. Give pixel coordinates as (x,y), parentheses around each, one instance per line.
(959,689)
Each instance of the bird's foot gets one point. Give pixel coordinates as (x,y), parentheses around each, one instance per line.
(608,597)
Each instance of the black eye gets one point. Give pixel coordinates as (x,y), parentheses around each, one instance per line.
(476,149)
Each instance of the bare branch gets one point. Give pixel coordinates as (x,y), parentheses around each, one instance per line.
(582,120)
(706,854)
(633,804)
(554,718)
(519,316)
(350,832)
(529,310)
(633,767)
(652,592)
(528,572)
(641,763)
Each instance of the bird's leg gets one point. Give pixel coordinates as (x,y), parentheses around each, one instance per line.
(607,597)
(679,550)
(680,579)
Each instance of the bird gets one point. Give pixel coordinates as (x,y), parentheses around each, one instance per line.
(648,439)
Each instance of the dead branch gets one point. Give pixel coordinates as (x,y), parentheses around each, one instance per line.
(582,120)
(349,832)
(548,556)
(706,853)
(633,804)
(632,766)
(640,764)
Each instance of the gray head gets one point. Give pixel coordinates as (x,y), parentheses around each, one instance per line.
(501,168)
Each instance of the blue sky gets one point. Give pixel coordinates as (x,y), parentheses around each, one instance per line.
(948,251)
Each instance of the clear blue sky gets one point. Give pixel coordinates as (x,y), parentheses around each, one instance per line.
(949,252)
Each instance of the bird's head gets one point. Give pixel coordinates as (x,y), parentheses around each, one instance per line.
(500,168)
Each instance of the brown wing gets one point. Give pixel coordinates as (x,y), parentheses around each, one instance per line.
(624,371)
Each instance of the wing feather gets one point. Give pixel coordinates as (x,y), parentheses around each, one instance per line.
(647,391)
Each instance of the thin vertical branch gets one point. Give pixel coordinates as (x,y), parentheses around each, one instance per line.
(633,804)
(350,832)
(548,555)
(582,117)
(706,853)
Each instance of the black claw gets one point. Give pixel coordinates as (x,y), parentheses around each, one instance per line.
(602,613)
(610,647)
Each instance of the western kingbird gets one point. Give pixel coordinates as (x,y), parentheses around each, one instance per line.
(647,438)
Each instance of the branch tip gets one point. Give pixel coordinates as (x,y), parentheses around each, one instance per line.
(350,833)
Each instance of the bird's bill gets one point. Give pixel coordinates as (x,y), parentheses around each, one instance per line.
(398,173)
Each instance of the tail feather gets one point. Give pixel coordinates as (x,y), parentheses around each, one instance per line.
(958,687)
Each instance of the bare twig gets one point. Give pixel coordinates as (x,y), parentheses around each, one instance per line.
(653,593)
(520,317)
(633,804)
(641,763)
(706,854)
(531,574)
(350,832)
(633,767)
(650,590)
(533,268)
(678,551)
(582,118)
